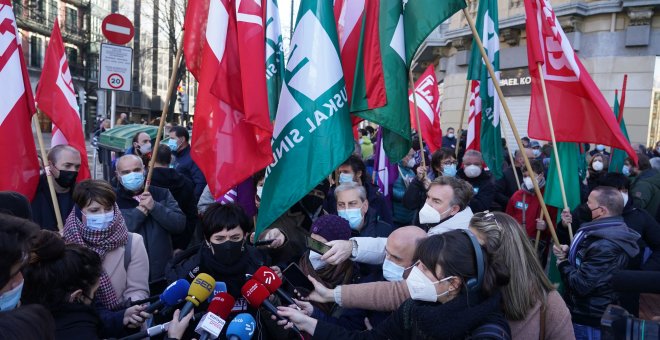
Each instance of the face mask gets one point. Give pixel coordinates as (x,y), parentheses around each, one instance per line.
(316,261)
(449,170)
(536,152)
(353,216)
(67,178)
(600,147)
(597,165)
(625,198)
(472,171)
(345,178)
(428,215)
(311,203)
(99,222)
(422,288)
(172,144)
(260,189)
(411,163)
(9,299)
(528,183)
(133,181)
(585,212)
(145,148)
(392,271)
(450,135)
(228,252)
(625,170)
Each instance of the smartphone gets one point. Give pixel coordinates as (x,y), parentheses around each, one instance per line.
(297,279)
(263,243)
(317,246)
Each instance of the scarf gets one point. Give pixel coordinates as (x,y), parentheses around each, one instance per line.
(101,242)
(329,275)
(233,275)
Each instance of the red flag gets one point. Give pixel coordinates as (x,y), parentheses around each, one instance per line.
(580,113)
(428,104)
(224,49)
(349,15)
(56,98)
(20,169)
(473,140)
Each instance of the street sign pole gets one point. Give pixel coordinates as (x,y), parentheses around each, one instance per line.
(113,105)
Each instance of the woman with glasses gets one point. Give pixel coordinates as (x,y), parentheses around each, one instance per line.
(443,163)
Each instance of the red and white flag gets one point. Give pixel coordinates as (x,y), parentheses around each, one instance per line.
(20,169)
(349,15)
(428,104)
(473,141)
(56,98)
(579,111)
(225,51)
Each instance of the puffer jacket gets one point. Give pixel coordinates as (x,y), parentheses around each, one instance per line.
(600,249)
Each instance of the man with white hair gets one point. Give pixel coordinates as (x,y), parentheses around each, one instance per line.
(473,172)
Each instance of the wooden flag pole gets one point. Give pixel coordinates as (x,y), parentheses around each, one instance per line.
(49,176)
(419,126)
(493,77)
(163,116)
(538,235)
(460,125)
(554,148)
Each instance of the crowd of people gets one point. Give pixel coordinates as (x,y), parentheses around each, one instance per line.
(449,252)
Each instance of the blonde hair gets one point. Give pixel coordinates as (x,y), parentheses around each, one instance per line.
(507,243)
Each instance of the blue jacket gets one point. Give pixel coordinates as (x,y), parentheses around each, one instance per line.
(187,167)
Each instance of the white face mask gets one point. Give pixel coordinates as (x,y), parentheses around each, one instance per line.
(625,170)
(260,190)
(536,152)
(99,222)
(316,261)
(421,288)
(429,215)
(450,135)
(597,165)
(145,148)
(472,171)
(625,198)
(411,163)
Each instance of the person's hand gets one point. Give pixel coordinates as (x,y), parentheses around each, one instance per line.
(560,252)
(276,235)
(147,201)
(421,172)
(540,224)
(566,217)
(320,293)
(304,306)
(134,316)
(339,252)
(176,327)
(295,317)
(277,271)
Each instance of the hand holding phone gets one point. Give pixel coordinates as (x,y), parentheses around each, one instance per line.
(317,246)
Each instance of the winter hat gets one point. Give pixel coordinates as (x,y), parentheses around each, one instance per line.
(332,227)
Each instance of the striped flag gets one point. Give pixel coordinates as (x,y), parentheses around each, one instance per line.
(473,141)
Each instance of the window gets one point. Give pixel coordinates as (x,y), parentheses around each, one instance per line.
(52,11)
(72,57)
(35,51)
(71,20)
(37,9)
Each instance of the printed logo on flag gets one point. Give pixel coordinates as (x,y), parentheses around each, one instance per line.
(65,83)
(424,92)
(561,62)
(10,68)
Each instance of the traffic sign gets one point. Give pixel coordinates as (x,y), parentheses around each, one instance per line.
(115,67)
(117,28)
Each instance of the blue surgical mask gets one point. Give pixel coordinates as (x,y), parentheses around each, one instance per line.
(600,147)
(449,170)
(392,271)
(345,178)
(172,144)
(626,170)
(99,222)
(133,181)
(353,216)
(9,299)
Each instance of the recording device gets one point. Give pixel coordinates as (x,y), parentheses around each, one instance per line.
(263,243)
(150,299)
(219,287)
(617,324)
(637,281)
(269,278)
(155,330)
(171,296)
(242,327)
(297,279)
(257,295)
(317,246)
(211,324)
(200,289)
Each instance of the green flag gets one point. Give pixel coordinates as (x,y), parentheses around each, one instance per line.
(569,155)
(274,56)
(312,133)
(393,117)
(618,156)
(421,17)
(491,138)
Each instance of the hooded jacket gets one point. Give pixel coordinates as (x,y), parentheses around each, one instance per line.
(599,250)
(646,191)
(185,165)
(484,190)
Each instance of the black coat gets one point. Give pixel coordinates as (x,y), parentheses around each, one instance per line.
(484,190)
(78,321)
(415,195)
(43,212)
(506,186)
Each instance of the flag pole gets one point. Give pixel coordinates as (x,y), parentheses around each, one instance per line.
(163,116)
(49,176)
(493,77)
(554,147)
(460,125)
(419,126)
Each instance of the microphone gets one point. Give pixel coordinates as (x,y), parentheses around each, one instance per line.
(212,322)
(172,295)
(257,295)
(155,330)
(272,282)
(150,299)
(200,289)
(242,327)
(219,287)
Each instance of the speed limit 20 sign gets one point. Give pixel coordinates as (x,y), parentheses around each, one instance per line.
(115,67)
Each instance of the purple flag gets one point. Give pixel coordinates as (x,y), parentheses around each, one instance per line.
(243,195)
(386,172)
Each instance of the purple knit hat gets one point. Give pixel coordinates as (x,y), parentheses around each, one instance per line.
(332,227)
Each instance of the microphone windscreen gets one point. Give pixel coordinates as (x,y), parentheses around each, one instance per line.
(200,289)
(175,292)
(242,327)
(268,278)
(254,293)
(219,287)
(222,304)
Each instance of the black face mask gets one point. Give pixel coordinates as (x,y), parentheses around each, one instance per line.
(67,178)
(228,252)
(584,212)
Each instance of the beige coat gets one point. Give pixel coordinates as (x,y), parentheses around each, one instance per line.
(134,283)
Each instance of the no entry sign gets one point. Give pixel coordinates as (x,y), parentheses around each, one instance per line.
(115,67)
(117,28)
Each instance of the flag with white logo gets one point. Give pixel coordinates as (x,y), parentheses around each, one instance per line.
(428,107)
(312,133)
(473,138)
(274,56)
(56,97)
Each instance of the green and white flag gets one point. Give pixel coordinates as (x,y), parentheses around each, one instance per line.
(274,56)
(491,138)
(312,133)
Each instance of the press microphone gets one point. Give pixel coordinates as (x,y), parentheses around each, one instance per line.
(272,282)
(155,330)
(172,295)
(200,289)
(242,327)
(219,287)
(257,295)
(211,324)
